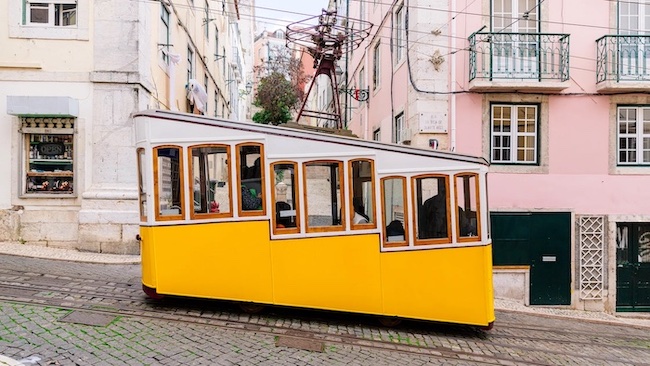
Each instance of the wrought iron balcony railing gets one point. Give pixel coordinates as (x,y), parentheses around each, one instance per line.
(623,58)
(519,56)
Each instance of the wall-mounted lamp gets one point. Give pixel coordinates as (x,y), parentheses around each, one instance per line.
(249,87)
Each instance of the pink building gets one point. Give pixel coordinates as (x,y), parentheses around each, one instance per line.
(557,99)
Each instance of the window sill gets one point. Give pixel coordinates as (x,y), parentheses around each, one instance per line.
(630,170)
(57,196)
(518,168)
(35,32)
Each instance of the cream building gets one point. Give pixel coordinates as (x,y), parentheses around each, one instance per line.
(71,74)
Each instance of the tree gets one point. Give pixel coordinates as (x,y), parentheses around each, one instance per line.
(276,96)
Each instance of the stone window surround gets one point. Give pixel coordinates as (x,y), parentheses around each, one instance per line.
(19,30)
(615,102)
(542,153)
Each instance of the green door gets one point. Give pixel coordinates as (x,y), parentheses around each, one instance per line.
(541,240)
(633,267)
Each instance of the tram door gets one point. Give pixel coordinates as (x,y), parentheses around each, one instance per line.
(633,267)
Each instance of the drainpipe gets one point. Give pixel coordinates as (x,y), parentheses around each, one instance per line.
(452,83)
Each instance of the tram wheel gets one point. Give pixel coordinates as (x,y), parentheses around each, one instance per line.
(251,307)
(389,322)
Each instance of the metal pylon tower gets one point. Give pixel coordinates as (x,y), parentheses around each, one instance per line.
(325,37)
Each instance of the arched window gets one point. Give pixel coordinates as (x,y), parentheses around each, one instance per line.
(142,184)
(168,182)
(468,222)
(431,206)
(250,179)
(362,194)
(324,195)
(285,198)
(209,167)
(393,195)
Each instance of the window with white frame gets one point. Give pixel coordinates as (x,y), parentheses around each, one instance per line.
(514,133)
(376,66)
(190,64)
(205,83)
(207,20)
(376,135)
(58,13)
(164,32)
(216,103)
(398,128)
(633,135)
(216,44)
(400,34)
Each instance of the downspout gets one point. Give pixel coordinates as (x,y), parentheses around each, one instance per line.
(452,83)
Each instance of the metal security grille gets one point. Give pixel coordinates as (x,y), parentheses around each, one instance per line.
(592,266)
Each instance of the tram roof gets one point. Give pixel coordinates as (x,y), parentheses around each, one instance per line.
(304,134)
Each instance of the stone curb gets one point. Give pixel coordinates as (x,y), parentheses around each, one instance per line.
(34,251)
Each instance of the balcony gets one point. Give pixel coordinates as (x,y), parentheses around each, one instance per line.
(623,63)
(235,62)
(531,62)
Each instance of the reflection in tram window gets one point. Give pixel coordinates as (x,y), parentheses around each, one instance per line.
(431,203)
(285,198)
(210,173)
(468,220)
(324,195)
(393,192)
(362,193)
(168,182)
(251,175)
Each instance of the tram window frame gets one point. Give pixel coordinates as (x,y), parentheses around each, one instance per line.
(356,190)
(218,214)
(459,233)
(262,184)
(181,184)
(416,209)
(389,221)
(294,190)
(142,183)
(341,225)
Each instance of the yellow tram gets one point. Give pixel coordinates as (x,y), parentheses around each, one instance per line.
(268,215)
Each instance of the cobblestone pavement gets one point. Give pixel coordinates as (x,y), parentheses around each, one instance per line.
(185,332)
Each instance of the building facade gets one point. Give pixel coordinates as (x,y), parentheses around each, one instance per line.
(71,75)
(557,102)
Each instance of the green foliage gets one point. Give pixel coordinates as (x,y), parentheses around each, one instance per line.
(276,96)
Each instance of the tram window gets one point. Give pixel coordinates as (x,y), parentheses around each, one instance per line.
(324,196)
(142,188)
(362,188)
(393,193)
(286,217)
(168,182)
(250,160)
(468,222)
(431,195)
(210,174)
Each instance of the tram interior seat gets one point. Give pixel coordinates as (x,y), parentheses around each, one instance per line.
(467,222)
(285,216)
(395,231)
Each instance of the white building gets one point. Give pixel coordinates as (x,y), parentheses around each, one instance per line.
(71,74)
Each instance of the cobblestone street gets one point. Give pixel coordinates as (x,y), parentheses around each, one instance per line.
(55,312)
